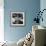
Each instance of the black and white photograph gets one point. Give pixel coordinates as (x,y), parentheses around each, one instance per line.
(17,18)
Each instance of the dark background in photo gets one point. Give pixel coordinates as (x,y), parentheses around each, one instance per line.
(18,22)
(18,17)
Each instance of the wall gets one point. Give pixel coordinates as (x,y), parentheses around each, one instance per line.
(1,21)
(30,7)
(43,6)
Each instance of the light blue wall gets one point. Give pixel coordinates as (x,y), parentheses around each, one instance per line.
(43,6)
(30,7)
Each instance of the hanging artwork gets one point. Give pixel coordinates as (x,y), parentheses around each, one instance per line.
(17,19)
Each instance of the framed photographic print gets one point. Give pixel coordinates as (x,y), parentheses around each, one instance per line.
(17,19)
